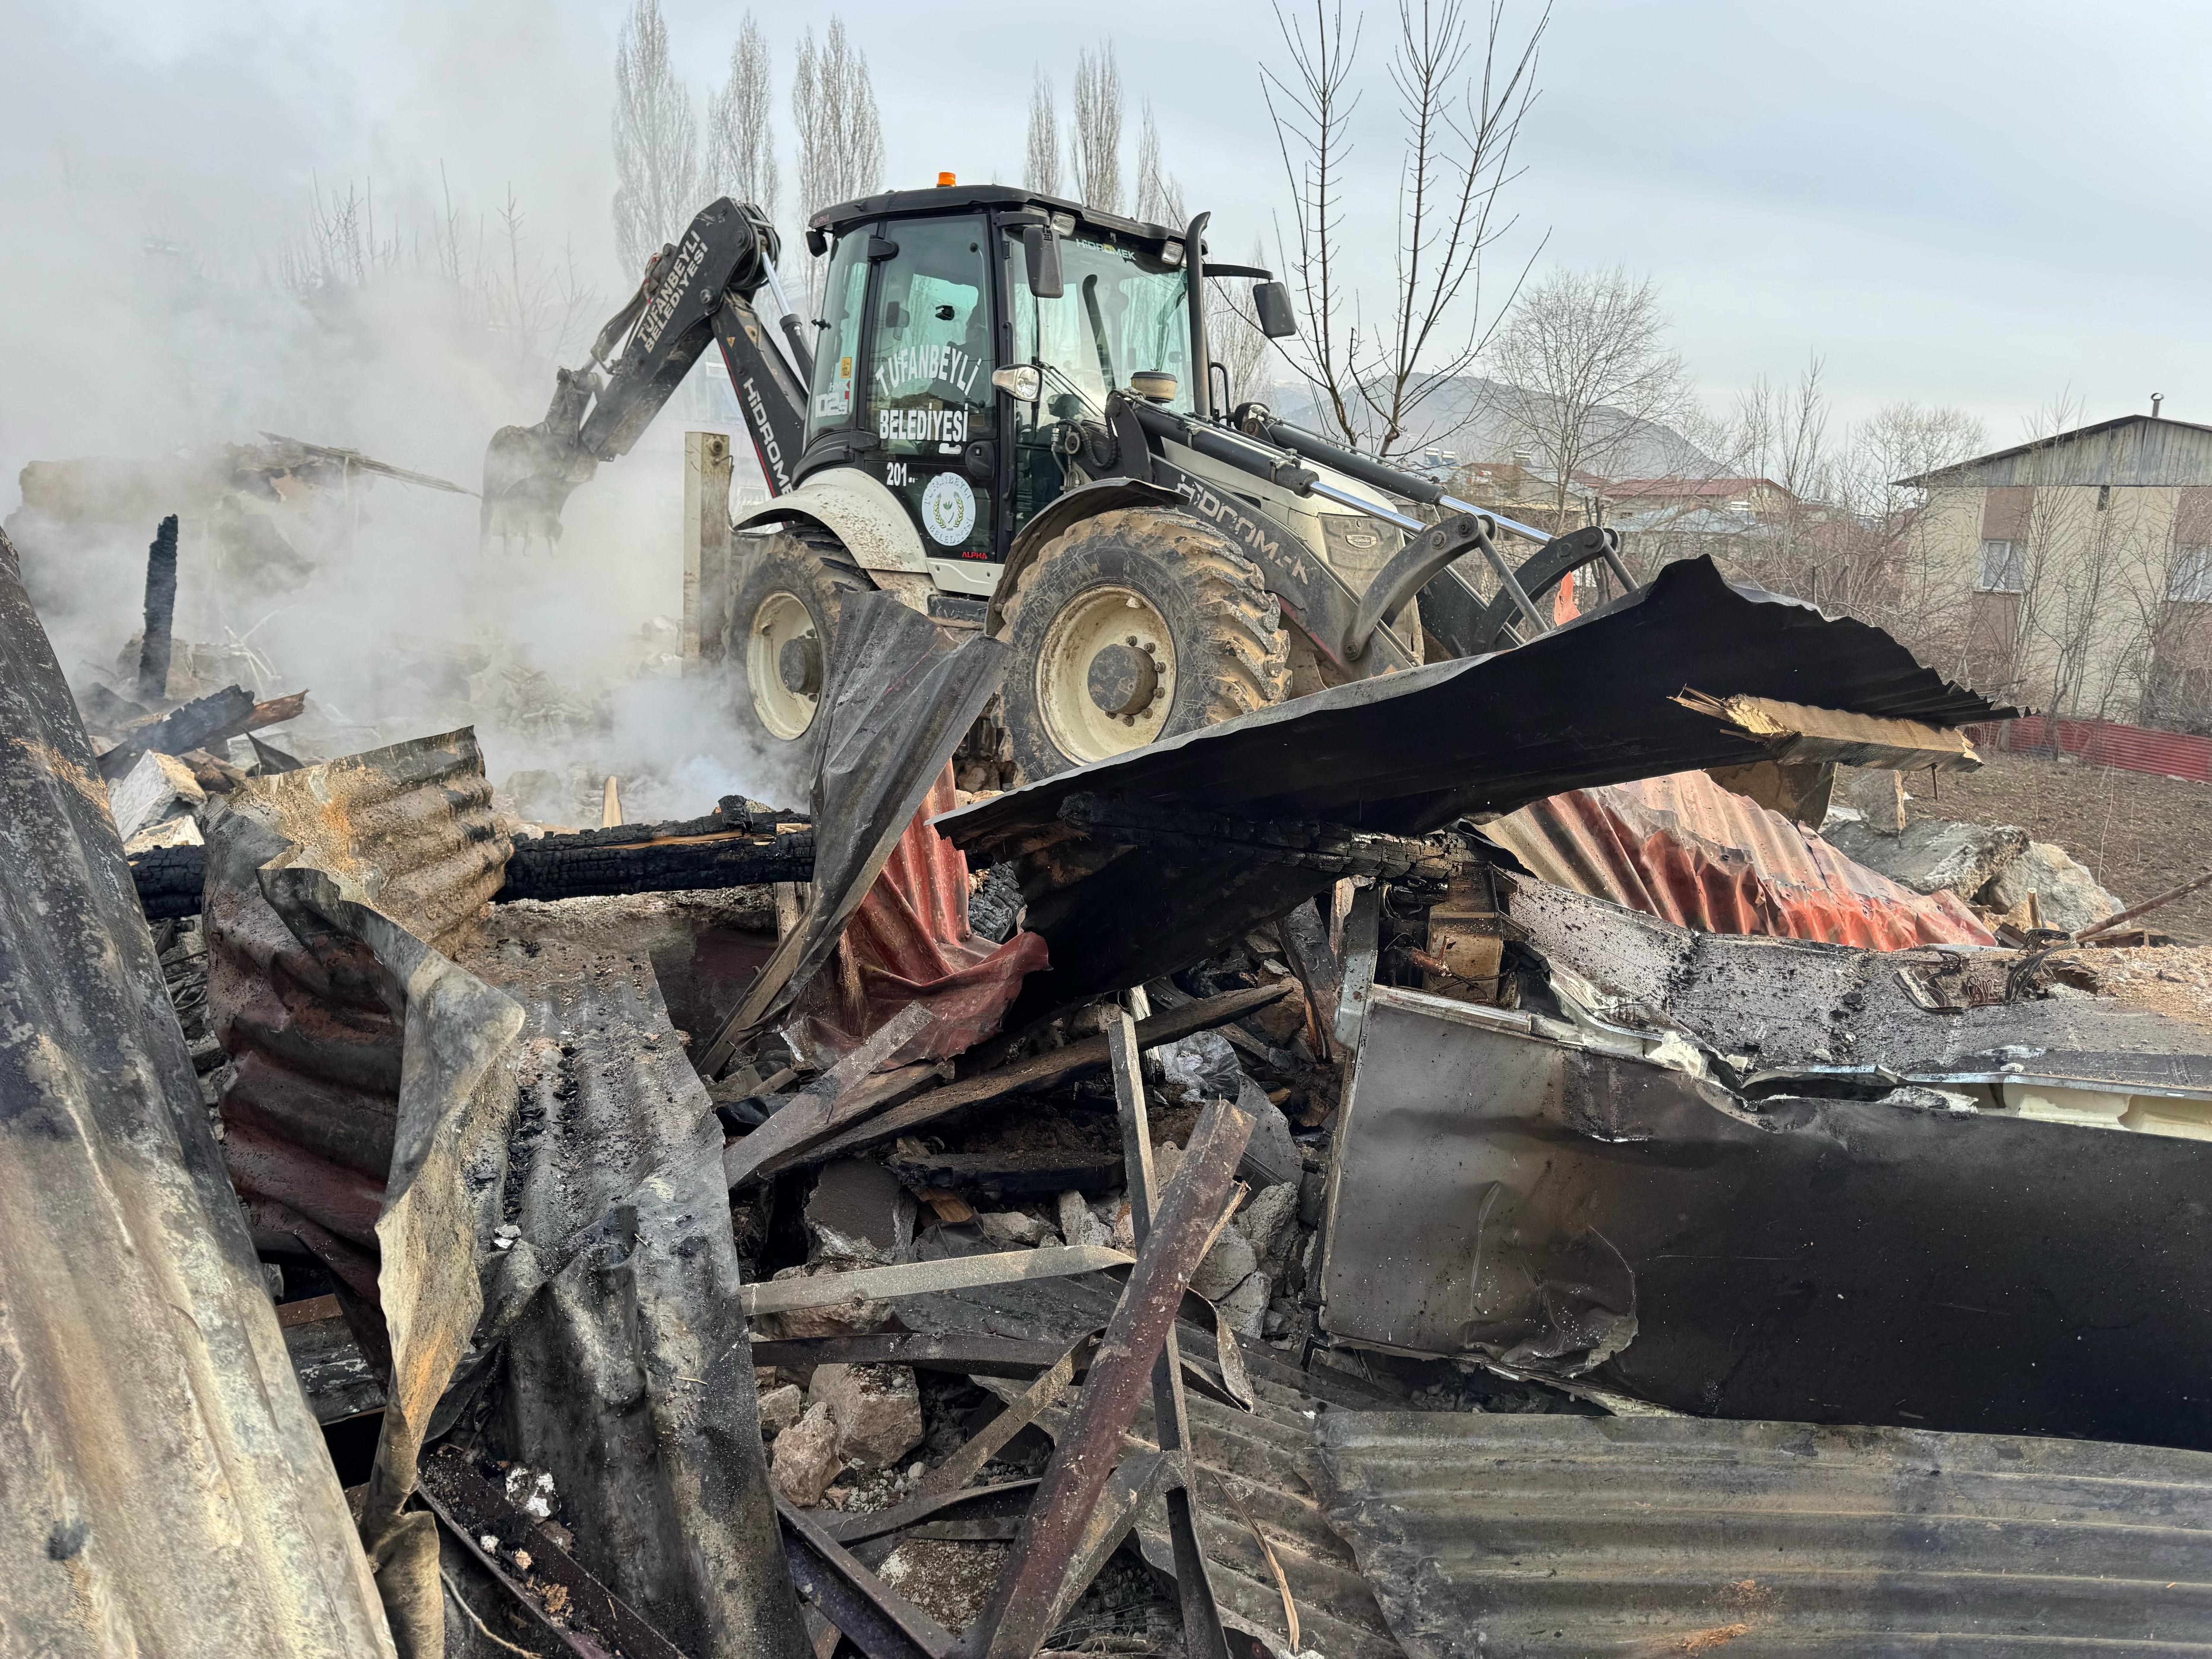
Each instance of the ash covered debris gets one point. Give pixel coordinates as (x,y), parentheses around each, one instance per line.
(1142,1210)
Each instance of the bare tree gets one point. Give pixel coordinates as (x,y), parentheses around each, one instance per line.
(1041,165)
(1584,362)
(841,136)
(1154,188)
(1094,138)
(1371,381)
(740,136)
(656,141)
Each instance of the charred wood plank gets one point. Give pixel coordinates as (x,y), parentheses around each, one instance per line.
(638,859)
(212,719)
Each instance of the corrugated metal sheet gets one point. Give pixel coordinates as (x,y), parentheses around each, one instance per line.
(1526,1537)
(168,1491)
(1557,1199)
(909,943)
(1590,704)
(2130,450)
(392,1106)
(2105,742)
(1683,847)
(312,1026)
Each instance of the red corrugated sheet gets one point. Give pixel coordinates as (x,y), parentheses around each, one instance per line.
(909,942)
(1683,847)
(2103,742)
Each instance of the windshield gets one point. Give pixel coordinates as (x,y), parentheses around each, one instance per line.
(1123,312)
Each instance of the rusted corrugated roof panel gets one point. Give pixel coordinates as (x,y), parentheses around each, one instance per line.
(909,943)
(1683,847)
(395,1104)
(1531,1537)
(1590,704)
(168,1491)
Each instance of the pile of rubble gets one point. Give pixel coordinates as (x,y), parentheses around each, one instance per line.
(1425,1169)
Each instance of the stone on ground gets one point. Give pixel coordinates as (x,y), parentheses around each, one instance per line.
(878,1410)
(805,1458)
(2067,896)
(1934,855)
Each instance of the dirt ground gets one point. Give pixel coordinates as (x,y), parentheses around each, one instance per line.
(2139,833)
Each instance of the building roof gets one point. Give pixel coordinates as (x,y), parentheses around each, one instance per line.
(2130,450)
(1689,489)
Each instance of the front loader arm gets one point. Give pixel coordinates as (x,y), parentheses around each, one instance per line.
(698,290)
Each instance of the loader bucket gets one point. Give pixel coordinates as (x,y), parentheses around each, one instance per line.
(529,470)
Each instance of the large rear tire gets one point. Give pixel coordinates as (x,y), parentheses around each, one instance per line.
(1133,626)
(782,634)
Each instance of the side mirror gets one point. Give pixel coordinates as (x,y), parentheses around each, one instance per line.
(1021,381)
(1272,301)
(1041,252)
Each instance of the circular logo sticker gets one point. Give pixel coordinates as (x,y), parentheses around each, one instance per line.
(948,510)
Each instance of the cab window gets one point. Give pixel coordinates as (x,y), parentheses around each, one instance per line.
(1123,311)
(830,406)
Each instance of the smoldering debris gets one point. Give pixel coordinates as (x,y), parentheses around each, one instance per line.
(939,1224)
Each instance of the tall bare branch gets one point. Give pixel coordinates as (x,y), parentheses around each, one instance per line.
(1094,139)
(1041,162)
(656,136)
(740,133)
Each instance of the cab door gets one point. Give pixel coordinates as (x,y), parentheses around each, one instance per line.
(930,401)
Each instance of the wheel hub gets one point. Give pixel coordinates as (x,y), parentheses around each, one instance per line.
(798,664)
(783,663)
(1106,674)
(1124,677)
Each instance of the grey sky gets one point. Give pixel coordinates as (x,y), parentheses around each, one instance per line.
(1977,205)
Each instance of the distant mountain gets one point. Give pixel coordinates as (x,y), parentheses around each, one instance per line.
(1464,415)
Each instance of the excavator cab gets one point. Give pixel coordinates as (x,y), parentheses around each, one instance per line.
(931,309)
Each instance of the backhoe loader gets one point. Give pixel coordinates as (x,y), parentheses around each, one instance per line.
(1007,416)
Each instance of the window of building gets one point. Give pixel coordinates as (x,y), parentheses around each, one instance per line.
(2191,580)
(2004,568)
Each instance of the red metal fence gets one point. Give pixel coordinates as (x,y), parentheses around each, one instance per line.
(2103,743)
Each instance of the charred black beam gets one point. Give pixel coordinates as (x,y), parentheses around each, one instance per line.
(1335,849)
(644,861)
(636,858)
(219,715)
(160,614)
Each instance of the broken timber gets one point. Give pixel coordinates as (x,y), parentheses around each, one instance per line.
(1055,1066)
(631,859)
(1795,734)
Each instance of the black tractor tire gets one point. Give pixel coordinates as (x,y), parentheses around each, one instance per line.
(1135,625)
(785,607)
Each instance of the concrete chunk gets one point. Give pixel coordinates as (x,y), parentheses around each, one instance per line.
(1934,855)
(857,1212)
(806,1459)
(159,787)
(780,1407)
(2067,896)
(1227,1265)
(878,1409)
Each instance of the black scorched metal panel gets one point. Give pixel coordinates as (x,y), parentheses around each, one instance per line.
(1522,1537)
(1590,704)
(1573,1211)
